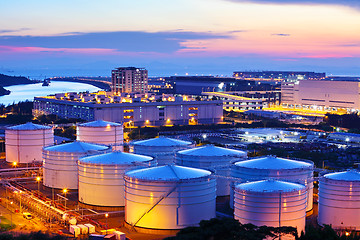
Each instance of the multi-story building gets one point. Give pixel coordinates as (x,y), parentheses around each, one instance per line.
(129,79)
(133,110)
(330,94)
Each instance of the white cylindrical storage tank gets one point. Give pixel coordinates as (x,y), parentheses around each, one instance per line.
(24,143)
(169,197)
(101,177)
(216,159)
(271,203)
(101,132)
(339,200)
(162,148)
(276,168)
(60,164)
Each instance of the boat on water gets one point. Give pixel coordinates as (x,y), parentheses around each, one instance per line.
(46,83)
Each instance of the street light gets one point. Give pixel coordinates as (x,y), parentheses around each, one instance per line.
(38,181)
(65,191)
(11,215)
(106,216)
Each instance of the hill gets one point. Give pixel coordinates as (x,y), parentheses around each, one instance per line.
(3,91)
(9,80)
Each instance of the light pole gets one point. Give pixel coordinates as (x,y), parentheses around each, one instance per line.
(106,216)
(38,182)
(11,215)
(65,191)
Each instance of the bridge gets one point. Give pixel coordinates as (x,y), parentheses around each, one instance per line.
(105,85)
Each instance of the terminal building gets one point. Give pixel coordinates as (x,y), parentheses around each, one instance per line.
(131,109)
(277,75)
(330,94)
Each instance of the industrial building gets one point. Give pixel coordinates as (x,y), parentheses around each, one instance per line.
(129,79)
(330,94)
(132,110)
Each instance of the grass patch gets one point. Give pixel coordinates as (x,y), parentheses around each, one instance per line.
(5,224)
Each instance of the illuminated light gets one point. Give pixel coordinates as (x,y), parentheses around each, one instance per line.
(168,120)
(221,85)
(204,136)
(65,190)
(38,179)
(246,133)
(347,234)
(347,139)
(14,164)
(106,215)
(147,121)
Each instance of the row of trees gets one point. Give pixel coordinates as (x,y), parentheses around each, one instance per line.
(231,229)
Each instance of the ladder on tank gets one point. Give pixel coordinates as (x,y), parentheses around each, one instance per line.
(162,197)
(165,195)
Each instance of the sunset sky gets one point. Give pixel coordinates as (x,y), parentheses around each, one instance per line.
(91,37)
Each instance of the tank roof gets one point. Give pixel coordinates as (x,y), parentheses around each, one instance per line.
(116,158)
(272,162)
(211,150)
(161,142)
(351,175)
(270,185)
(168,173)
(76,146)
(99,123)
(29,126)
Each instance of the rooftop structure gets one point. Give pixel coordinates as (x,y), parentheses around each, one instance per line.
(131,109)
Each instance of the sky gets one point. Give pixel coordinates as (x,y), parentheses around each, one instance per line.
(42,38)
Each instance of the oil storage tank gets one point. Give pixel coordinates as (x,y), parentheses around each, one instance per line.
(101,177)
(272,203)
(24,143)
(60,163)
(277,168)
(101,132)
(162,148)
(169,197)
(216,159)
(339,200)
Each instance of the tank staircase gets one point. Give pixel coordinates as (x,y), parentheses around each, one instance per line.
(162,197)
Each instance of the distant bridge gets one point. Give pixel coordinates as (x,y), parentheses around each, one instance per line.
(105,85)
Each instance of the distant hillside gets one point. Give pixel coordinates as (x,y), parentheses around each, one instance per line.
(3,91)
(9,80)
